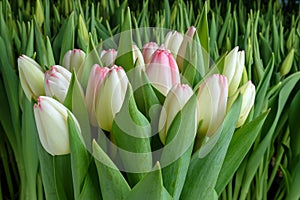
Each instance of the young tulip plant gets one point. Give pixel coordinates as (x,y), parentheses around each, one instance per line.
(130,122)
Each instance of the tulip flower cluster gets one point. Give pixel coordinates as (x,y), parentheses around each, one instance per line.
(107,86)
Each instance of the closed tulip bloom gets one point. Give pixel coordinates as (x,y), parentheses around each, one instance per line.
(173,41)
(31,77)
(111,96)
(96,78)
(108,57)
(188,37)
(248,93)
(148,51)
(73,59)
(211,104)
(233,69)
(174,102)
(57,82)
(163,71)
(51,122)
(138,57)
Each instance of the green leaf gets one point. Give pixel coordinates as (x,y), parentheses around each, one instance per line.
(125,54)
(204,171)
(150,187)
(240,144)
(294,192)
(177,152)
(132,131)
(112,183)
(80,158)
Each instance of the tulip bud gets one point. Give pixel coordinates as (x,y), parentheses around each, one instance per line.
(162,71)
(233,68)
(73,59)
(138,57)
(51,122)
(31,77)
(57,81)
(248,92)
(174,102)
(96,78)
(108,57)
(173,41)
(148,51)
(188,37)
(111,96)
(287,63)
(211,104)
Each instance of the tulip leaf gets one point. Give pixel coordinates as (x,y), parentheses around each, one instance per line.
(269,129)
(294,192)
(112,183)
(130,126)
(29,149)
(240,144)
(150,187)
(177,152)
(203,172)
(125,53)
(80,159)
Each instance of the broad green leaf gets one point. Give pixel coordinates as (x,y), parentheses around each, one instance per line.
(125,54)
(112,183)
(150,187)
(50,55)
(177,152)
(80,158)
(132,133)
(294,192)
(204,171)
(68,38)
(240,144)
(29,149)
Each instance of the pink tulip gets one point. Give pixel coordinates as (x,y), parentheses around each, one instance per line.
(96,78)
(73,59)
(162,71)
(174,102)
(111,96)
(148,50)
(211,105)
(57,81)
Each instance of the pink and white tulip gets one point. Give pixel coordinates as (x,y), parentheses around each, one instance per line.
(73,59)
(31,77)
(57,82)
(138,57)
(173,41)
(51,122)
(163,71)
(211,104)
(96,78)
(108,57)
(111,96)
(174,102)
(148,51)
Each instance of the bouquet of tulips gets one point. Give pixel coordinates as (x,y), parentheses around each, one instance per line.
(161,119)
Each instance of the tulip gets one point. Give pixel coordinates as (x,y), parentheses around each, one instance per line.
(96,78)
(233,68)
(31,77)
(188,37)
(57,82)
(173,41)
(163,71)
(148,51)
(108,57)
(111,96)
(248,92)
(51,122)
(211,104)
(174,102)
(138,57)
(73,59)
